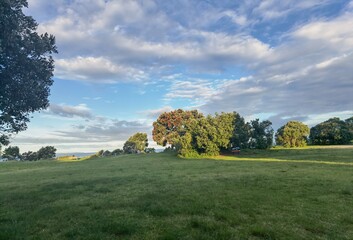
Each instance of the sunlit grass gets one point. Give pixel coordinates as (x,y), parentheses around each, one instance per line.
(274,194)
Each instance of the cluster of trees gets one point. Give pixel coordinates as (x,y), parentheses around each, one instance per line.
(334,131)
(192,134)
(13,153)
(137,143)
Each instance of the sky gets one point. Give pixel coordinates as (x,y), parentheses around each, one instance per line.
(122,63)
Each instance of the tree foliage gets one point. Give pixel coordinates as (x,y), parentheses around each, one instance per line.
(331,132)
(241,133)
(193,135)
(26,68)
(12,152)
(129,147)
(261,134)
(293,134)
(47,152)
(170,126)
(136,143)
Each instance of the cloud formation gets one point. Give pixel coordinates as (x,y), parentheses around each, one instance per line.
(277,59)
(68,111)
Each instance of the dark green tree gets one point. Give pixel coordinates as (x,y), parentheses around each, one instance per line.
(207,136)
(349,123)
(12,152)
(241,134)
(29,156)
(293,134)
(331,132)
(261,134)
(117,151)
(129,147)
(26,68)
(47,152)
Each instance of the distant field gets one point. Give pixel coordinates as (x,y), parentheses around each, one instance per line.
(274,194)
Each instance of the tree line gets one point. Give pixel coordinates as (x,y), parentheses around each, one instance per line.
(137,143)
(192,134)
(13,153)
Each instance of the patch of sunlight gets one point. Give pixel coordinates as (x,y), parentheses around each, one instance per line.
(74,159)
(229,158)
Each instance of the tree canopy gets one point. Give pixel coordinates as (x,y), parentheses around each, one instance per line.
(261,134)
(331,132)
(12,152)
(26,68)
(191,134)
(136,143)
(293,134)
(170,126)
(47,152)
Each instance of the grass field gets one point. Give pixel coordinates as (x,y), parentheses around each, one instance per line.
(274,194)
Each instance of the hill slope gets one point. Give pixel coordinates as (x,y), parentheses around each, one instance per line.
(277,195)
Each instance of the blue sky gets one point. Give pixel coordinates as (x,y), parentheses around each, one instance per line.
(122,63)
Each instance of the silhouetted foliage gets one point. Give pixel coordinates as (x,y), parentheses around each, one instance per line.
(47,152)
(26,68)
(261,134)
(241,134)
(331,132)
(12,152)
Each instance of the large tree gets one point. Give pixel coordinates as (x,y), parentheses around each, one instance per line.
(12,152)
(261,134)
(170,126)
(293,134)
(241,132)
(331,132)
(47,152)
(26,68)
(136,143)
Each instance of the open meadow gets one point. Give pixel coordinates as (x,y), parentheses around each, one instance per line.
(272,194)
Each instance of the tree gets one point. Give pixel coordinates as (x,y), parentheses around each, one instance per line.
(29,156)
(129,147)
(117,152)
(261,134)
(349,123)
(170,126)
(26,68)
(331,132)
(206,136)
(293,134)
(136,143)
(12,152)
(140,140)
(47,152)
(100,153)
(241,132)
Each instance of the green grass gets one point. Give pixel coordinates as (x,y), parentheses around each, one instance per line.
(276,194)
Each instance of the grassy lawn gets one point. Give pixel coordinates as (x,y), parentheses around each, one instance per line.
(275,194)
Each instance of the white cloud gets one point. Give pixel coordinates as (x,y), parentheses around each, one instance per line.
(154,113)
(307,75)
(96,69)
(68,111)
